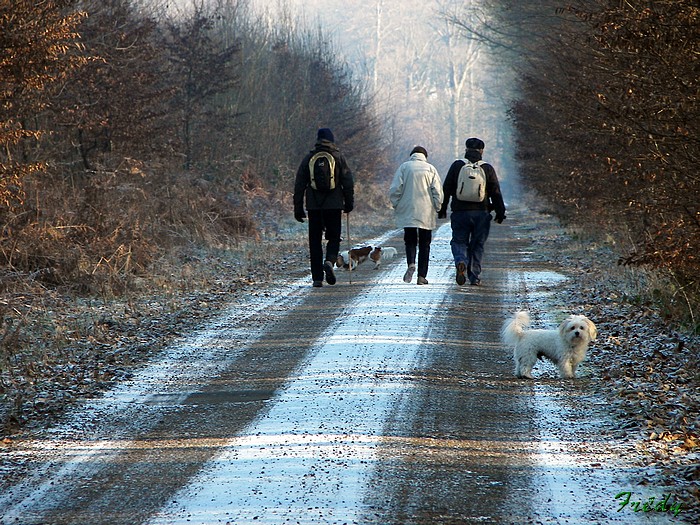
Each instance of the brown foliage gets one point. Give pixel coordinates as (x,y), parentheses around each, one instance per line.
(71,236)
(167,149)
(613,112)
(39,47)
(107,191)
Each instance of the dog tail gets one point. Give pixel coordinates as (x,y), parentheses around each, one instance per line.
(513,328)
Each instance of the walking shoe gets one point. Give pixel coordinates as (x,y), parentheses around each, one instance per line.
(422,280)
(475,282)
(318,284)
(408,276)
(461,269)
(330,276)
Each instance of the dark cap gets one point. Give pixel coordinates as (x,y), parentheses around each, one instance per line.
(475,143)
(420,149)
(325,134)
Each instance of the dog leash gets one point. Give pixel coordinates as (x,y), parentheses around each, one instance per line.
(347,225)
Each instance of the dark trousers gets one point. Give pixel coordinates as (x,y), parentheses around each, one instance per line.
(418,239)
(470,229)
(329,221)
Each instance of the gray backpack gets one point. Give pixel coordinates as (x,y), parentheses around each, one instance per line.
(471,182)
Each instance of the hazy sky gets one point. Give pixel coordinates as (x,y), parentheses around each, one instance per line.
(425,116)
(414,88)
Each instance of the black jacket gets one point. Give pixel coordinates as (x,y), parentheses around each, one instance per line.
(340,198)
(494,199)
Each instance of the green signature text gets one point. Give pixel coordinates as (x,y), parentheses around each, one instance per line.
(650,505)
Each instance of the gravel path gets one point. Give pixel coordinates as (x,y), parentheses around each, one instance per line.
(451,437)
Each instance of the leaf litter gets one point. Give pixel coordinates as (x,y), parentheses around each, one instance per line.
(647,369)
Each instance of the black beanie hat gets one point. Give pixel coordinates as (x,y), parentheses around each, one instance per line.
(325,134)
(475,143)
(420,149)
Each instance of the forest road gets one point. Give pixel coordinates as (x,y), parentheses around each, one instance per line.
(372,401)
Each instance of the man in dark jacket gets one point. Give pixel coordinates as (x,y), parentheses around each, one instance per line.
(471,221)
(324,207)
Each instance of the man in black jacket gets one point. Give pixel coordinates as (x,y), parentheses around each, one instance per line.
(471,220)
(324,207)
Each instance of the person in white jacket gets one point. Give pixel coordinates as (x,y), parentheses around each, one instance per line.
(416,195)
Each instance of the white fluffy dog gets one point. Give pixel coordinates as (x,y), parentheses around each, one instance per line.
(565,347)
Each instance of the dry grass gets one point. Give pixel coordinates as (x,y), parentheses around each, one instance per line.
(97,280)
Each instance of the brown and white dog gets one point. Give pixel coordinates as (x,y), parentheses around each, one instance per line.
(350,259)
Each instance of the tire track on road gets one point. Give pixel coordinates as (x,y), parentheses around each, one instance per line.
(308,458)
(122,457)
(459,447)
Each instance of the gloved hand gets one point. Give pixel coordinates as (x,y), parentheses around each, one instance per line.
(348,208)
(300,216)
(500,218)
(442,214)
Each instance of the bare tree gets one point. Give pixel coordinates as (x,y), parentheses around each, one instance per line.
(204,69)
(110,109)
(462,57)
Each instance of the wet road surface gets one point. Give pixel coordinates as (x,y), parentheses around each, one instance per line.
(372,401)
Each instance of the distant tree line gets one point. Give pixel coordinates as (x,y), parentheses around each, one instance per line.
(608,123)
(126,129)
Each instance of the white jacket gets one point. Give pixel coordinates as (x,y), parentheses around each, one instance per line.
(416,194)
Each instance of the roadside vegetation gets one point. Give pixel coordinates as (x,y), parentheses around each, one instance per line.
(607,126)
(609,134)
(145,155)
